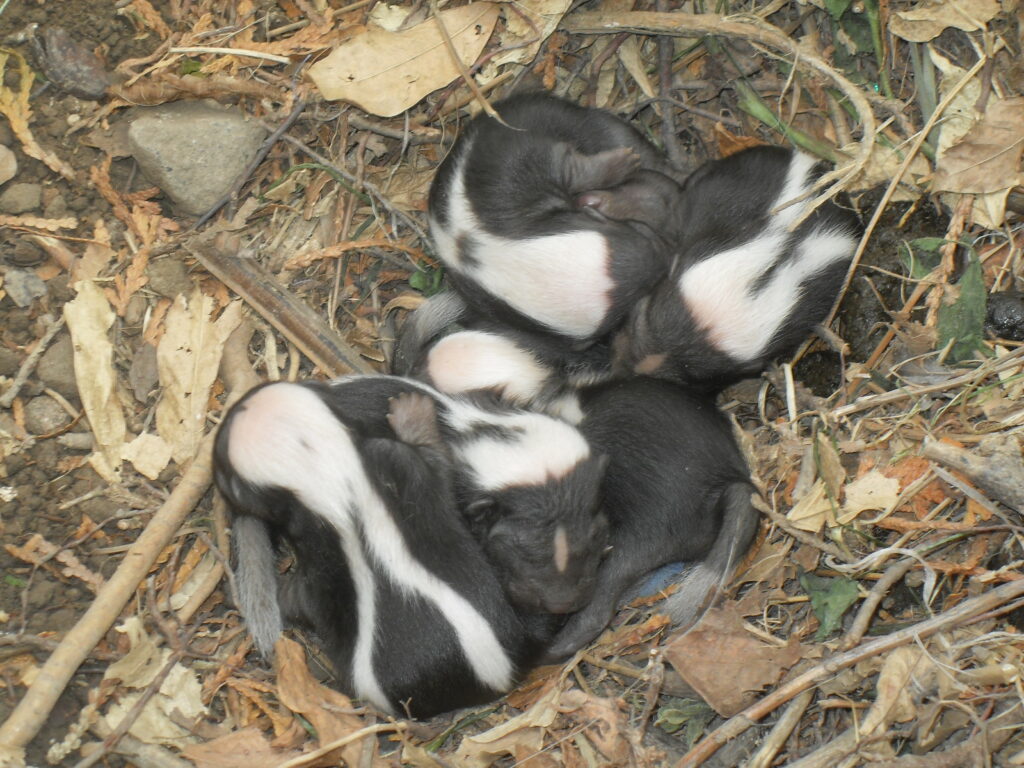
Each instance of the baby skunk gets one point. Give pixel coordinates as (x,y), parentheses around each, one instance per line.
(511,221)
(743,289)
(527,483)
(387,574)
(677,488)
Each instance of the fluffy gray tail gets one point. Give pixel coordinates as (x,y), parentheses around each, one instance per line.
(256,579)
(423,326)
(700,584)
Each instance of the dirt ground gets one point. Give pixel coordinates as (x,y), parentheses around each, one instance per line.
(50,490)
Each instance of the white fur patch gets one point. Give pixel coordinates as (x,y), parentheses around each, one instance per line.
(301,446)
(543,448)
(471,360)
(562,281)
(718,291)
(561,547)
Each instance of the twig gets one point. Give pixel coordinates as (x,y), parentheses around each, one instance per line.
(802,536)
(783,727)
(467,78)
(738,724)
(258,158)
(368,186)
(999,474)
(29,365)
(32,711)
(362,733)
(288,314)
(871,401)
(666,47)
(232,52)
(867,609)
(891,189)
(754,30)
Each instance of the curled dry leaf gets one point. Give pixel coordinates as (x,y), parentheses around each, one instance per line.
(525,730)
(528,23)
(385,73)
(928,19)
(179,696)
(149,454)
(247,748)
(89,317)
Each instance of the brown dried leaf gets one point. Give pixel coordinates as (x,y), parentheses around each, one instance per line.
(75,568)
(187,358)
(526,28)
(50,225)
(326,709)
(604,723)
(927,19)
(873,490)
(247,748)
(726,664)
(15,107)
(813,511)
(525,730)
(89,317)
(385,73)
(35,551)
(987,158)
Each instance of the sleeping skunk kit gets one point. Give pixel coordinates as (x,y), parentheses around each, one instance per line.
(396,504)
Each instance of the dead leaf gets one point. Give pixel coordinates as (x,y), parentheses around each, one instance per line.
(187,358)
(89,317)
(37,222)
(928,19)
(959,115)
(247,748)
(987,158)
(632,59)
(179,696)
(326,709)
(881,167)
(527,25)
(726,664)
(603,722)
(830,468)
(525,730)
(385,72)
(871,491)
(148,453)
(15,107)
(813,510)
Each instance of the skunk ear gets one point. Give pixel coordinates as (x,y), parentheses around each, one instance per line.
(480,512)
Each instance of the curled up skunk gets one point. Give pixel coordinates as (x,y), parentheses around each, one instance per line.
(677,488)
(512,222)
(387,574)
(743,289)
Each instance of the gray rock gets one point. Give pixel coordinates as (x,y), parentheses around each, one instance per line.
(43,416)
(169,277)
(10,362)
(143,375)
(8,164)
(192,151)
(23,286)
(57,367)
(21,198)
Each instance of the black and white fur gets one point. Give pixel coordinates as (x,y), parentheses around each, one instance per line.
(520,243)
(527,482)
(387,574)
(743,289)
(677,488)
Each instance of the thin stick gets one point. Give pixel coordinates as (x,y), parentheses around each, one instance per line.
(754,30)
(867,609)
(53,328)
(773,742)
(330,746)
(32,711)
(232,52)
(737,724)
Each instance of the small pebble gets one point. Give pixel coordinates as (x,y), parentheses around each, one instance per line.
(57,367)
(8,164)
(21,198)
(44,416)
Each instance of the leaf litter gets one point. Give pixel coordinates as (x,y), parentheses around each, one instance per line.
(873,532)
